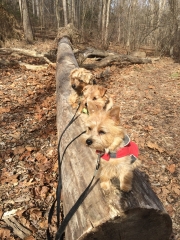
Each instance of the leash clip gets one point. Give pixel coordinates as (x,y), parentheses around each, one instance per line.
(98,160)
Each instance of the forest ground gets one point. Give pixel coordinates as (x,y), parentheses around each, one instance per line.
(149,98)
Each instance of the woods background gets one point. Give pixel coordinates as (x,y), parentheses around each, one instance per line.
(148,25)
(148,95)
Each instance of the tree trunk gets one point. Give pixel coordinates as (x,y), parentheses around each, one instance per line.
(37,7)
(100,15)
(20,7)
(26,22)
(33,7)
(65,13)
(73,12)
(107,24)
(42,13)
(57,13)
(103,20)
(175,45)
(137,215)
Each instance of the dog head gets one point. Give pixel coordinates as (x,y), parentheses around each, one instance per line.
(104,130)
(79,78)
(95,98)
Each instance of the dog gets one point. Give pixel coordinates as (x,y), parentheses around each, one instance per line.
(79,78)
(118,154)
(95,98)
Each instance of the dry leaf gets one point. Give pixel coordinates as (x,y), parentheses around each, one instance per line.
(165,191)
(176,189)
(43,224)
(154,146)
(29,148)
(169,209)
(171,168)
(19,150)
(35,213)
(44,191)
(15,135)
(43,162)
(4,233)
(29,238)
(4,110)
(1,213)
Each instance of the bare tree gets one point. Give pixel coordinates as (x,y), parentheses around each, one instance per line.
(175,32)
(107,23)
(26,22)
(65,12)
(57,13)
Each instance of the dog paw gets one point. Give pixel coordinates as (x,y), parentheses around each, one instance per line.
(126,188)
(116,191)
(105,186)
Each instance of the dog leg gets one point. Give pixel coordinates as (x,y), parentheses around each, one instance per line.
(126,180)
(105,183)
(109,104)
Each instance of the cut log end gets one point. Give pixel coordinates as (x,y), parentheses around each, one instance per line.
(136,224)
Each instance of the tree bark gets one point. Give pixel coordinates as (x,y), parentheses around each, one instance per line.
(26,22)
(103,20)
(107,24)
(57,13)
(65,12)
(137,215)
(20,7)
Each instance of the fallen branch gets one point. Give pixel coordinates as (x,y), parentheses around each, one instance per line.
(106,58)
(30,53)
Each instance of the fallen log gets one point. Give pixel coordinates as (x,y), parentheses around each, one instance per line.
(107,58)
(137,215)
(26,52)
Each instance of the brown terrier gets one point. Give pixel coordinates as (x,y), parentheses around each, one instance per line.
(95,98)
(118,153)
(79,78)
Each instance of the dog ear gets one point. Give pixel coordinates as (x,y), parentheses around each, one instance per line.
(102,90)
(114,114)
(86,90)
(71,73)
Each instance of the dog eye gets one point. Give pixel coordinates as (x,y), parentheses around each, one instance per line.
(101,132)
(94,98)
(89,128)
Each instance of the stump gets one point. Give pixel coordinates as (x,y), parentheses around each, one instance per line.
(137,215)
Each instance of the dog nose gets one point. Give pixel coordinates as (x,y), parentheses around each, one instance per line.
(73,86)
(89,141)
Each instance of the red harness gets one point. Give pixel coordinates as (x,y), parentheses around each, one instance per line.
(131,149)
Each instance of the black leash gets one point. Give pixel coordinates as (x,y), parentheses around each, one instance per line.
(59,187)
(61,229)
(71,212)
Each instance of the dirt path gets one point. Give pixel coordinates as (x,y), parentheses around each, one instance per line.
(149,97)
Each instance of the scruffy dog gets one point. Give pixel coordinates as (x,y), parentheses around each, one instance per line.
(118,154)
(95,98)
(79,78)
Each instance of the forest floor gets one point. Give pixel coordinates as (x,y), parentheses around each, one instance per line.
(149,97)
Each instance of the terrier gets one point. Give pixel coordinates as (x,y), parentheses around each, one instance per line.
(118,154)
(95,98)
(79,78)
